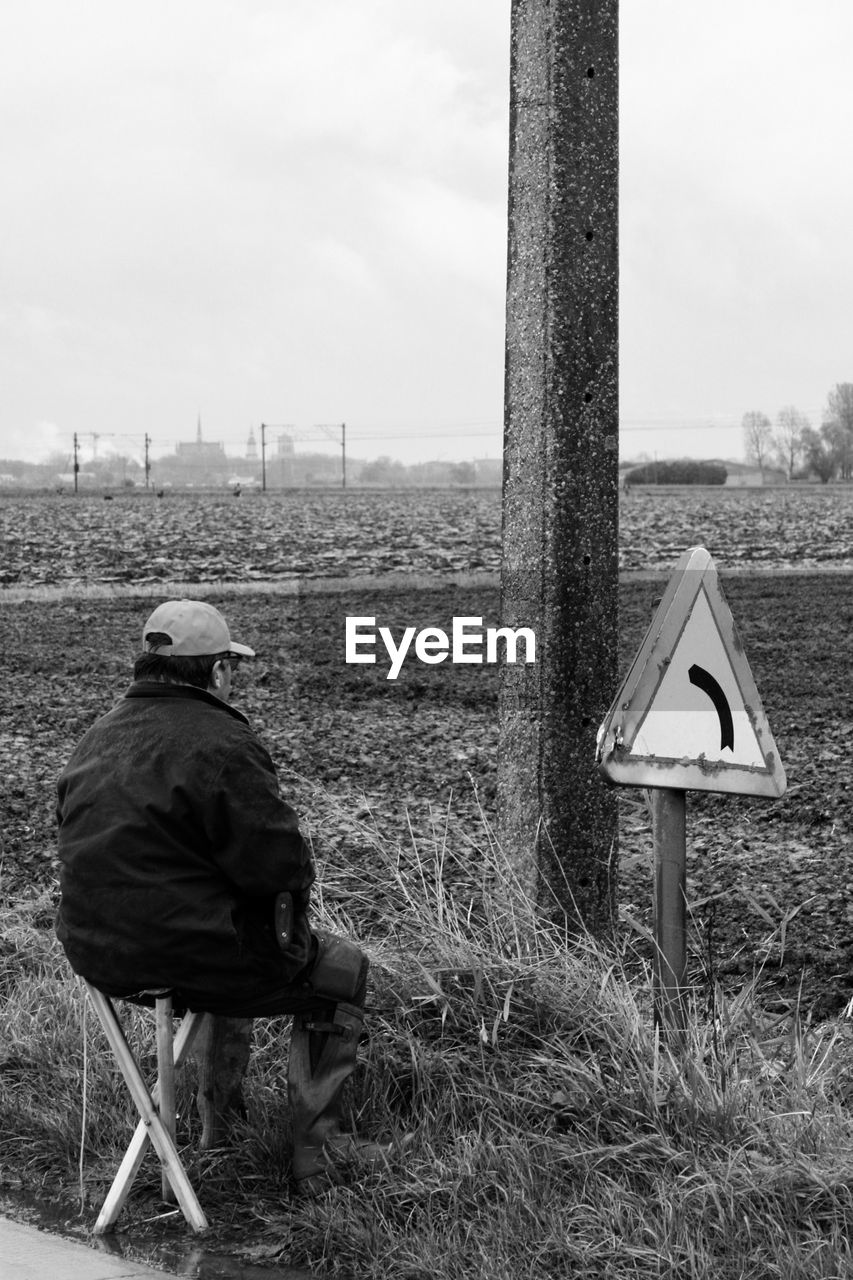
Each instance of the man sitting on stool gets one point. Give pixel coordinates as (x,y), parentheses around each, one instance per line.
(182,867)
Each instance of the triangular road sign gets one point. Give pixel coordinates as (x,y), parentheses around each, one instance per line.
(688,715)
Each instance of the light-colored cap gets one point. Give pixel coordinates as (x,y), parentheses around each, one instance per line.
(195,629)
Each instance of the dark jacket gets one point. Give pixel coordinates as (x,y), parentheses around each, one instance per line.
(173,843)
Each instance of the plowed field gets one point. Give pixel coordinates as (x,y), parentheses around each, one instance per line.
(138,538)
(400,755)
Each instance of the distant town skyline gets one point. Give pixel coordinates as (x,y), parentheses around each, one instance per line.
(93,446)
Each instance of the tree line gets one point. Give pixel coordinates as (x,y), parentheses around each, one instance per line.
(792,444)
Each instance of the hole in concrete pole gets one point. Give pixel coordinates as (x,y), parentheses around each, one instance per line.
(590,71)
(590,235)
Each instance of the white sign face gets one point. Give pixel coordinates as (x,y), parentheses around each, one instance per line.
(698,708)
(688,715)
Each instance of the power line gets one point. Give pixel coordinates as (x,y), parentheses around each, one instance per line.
(430,435)
(412,431)
(684,426)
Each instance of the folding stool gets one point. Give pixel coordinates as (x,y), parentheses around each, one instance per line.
(156,1107)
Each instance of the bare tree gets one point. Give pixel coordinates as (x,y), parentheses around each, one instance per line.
(788,441)
(838,426)
(839,444)
(819,455)
(839,404)
(757,437)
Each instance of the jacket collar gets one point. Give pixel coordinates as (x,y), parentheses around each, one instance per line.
(158,689)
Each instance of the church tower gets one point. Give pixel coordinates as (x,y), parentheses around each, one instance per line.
(251,446)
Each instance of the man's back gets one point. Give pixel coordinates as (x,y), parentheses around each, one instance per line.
(173,843)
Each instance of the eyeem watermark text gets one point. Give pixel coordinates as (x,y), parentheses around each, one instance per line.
(465,643)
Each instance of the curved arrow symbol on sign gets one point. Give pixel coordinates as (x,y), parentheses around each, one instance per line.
(705,681)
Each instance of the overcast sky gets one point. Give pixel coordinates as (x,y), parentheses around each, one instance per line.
(295,212)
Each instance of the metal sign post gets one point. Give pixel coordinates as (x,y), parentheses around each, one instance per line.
(669,828)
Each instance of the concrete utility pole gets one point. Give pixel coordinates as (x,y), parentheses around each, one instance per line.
(557,819)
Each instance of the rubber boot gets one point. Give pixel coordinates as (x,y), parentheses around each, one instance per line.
(322,1058)
(222,1052)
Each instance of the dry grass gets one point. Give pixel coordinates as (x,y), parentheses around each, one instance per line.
(556,1133)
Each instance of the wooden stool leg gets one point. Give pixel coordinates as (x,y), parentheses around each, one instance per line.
(166,1079)
(129,1166)
(153,1125)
